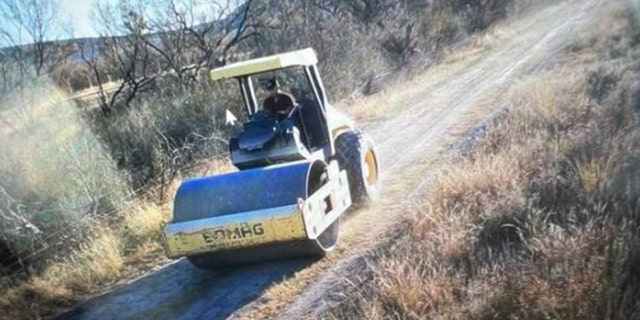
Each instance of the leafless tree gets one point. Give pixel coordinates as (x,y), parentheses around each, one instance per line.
(163,39)
(190,37)
(122,50)
(88,52)
(31,29)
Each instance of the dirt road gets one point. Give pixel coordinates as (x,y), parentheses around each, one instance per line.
(421,116)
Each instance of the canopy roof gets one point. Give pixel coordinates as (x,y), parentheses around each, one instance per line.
(304,57)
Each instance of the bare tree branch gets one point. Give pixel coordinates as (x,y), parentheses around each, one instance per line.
(32,28)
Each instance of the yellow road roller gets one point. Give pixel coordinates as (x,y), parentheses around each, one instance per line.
(301,165)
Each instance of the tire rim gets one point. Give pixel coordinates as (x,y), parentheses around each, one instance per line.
(371,167)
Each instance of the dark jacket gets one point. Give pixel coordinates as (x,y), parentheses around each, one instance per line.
(281,102)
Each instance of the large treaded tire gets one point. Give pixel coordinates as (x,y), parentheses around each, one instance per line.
(355,153)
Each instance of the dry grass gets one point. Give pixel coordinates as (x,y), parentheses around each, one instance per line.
(145,220)
(55,175)
(110,254)
(357,234)
(540,219)
(95,263)
(444,63)
(73,170)
(66,212)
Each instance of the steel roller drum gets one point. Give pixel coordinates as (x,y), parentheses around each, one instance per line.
(250,190)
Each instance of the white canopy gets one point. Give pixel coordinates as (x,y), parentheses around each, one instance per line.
(304,57)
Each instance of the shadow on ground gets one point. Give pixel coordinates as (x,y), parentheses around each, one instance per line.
(180,291)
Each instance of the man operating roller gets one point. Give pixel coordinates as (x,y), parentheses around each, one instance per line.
(278,103)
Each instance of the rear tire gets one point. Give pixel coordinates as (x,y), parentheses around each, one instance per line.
(356,154)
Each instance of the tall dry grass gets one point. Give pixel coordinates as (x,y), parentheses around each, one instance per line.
(540,219)
(57,179)
(75,185)
(68,218)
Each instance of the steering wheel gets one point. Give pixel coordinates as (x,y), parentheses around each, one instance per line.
(281,115)
(293,110)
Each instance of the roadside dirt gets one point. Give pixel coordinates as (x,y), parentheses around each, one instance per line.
(423,118)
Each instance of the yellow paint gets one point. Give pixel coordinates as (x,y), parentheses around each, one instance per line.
(337,121)
(275,228)
(335,132)
(372,167)
(305,57)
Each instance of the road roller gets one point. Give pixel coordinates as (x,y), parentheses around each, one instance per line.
(298,173)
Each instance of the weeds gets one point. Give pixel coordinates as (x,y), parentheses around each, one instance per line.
(77,187)
(56,177)
(540,220)
(67,216)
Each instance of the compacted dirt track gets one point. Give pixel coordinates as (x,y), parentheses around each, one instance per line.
(428,109)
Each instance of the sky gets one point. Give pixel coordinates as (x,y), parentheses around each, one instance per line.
(79,13)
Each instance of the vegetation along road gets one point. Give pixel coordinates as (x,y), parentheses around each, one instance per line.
(415,124)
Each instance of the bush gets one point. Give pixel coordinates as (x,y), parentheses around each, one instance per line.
(540,220)
(57,178)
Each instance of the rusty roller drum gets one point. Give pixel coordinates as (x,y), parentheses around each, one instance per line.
(245,204)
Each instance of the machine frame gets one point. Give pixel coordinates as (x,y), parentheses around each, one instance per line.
(303,224)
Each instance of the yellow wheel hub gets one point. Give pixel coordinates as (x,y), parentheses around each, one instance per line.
(371,167)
